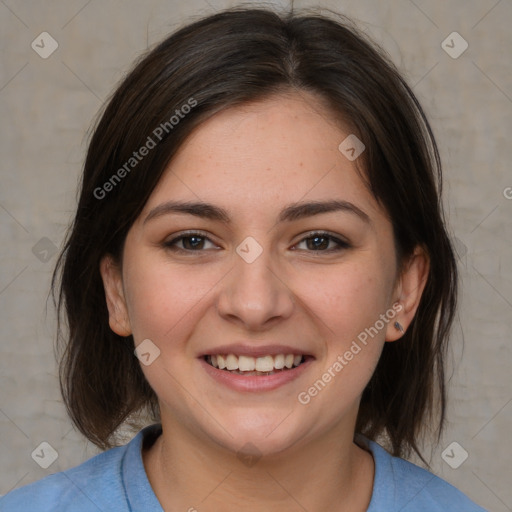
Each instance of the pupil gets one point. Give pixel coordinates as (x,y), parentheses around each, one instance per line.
(196,243)
(315,239)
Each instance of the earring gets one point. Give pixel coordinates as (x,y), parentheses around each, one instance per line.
(399,327)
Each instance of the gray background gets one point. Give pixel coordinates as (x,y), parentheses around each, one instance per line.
(47,106)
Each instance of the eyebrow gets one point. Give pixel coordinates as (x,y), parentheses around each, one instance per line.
(291,212)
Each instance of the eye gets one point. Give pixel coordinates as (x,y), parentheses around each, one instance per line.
(191,241)
(194,241)
(320,241)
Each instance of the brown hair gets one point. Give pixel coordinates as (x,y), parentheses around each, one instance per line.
(231,58)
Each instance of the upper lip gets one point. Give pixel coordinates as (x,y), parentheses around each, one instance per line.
(242,349)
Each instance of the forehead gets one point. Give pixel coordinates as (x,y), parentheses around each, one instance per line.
(262,155)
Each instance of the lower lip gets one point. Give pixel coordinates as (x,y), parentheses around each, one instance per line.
(255,382)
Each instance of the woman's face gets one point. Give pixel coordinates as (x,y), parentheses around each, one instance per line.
(254,281)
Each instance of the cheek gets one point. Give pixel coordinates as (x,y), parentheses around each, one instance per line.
(349,302)
(162,299)
(348,299)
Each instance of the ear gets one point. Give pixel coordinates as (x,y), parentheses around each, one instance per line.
(114,294)
(408,292)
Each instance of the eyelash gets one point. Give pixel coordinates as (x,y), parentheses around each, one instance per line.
(171,244)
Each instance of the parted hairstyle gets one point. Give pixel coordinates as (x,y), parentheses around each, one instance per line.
(234,57)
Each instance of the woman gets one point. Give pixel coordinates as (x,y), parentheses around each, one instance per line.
(260,219)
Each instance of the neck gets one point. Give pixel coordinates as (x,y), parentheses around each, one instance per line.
(189,472)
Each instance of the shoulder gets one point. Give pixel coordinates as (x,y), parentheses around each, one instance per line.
(402,485)
(97,484)
(93,483)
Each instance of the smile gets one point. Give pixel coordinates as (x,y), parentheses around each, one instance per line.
(250,366)
(245,373)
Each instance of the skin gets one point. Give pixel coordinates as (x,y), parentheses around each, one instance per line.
(253,161)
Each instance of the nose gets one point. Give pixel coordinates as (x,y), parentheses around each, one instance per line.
(255,294)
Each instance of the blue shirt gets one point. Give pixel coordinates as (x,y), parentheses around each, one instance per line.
(116,481)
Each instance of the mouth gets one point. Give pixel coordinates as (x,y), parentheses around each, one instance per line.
(256,366)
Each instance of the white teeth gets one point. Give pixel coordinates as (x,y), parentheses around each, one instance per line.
(245,364)
(221,362)
(231,362)
(279,362)
(259,364)
(265,364)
